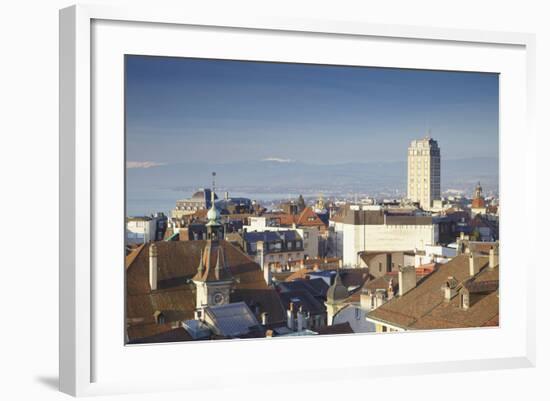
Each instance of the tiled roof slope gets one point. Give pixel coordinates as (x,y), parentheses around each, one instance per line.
(307,218)
(424,307)
(168,335)
(175,297)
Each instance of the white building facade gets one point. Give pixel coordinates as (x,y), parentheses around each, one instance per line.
(370,230)
(434,254)
(140,230)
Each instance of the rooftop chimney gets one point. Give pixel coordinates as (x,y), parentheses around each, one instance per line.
(493,258)
(407,279)
(474,264)
(290,317)
(450,288)
(265,269)
(390,288)
(153,271)
(300,319)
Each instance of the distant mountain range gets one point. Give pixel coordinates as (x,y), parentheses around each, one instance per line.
(285,176)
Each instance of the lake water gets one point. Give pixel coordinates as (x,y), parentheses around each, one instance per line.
(140,203)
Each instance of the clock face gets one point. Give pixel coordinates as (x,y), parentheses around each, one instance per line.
(218,298)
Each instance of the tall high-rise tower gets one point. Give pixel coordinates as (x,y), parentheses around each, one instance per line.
(424,172)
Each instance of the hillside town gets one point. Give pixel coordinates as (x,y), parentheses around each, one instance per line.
(223,267)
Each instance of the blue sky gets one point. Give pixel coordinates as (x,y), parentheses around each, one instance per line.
(180,110)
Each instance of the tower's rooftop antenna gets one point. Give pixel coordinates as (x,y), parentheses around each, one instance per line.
(428,135)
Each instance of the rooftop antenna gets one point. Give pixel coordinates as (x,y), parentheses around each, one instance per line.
(428,129)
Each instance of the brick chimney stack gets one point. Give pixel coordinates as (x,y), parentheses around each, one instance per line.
(407,279)
(300,317)
(290,317)
(153,266)
(474,264)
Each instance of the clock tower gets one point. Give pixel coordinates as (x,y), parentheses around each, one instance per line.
(213,279)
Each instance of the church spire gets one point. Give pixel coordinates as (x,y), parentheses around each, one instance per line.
(213,216)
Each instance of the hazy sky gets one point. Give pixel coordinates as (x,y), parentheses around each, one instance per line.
(181,110)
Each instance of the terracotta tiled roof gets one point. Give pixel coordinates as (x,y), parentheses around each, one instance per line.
(307,218)
(381,283)
(479,247)
(175,297)
(384,281)
(164,333)
(424,306)
(132,255)
(478,203)
(212,264)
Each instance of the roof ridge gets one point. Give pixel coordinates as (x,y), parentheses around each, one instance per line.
(131,257)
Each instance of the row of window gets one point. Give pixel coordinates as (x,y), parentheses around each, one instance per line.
(281,257)
(277,246)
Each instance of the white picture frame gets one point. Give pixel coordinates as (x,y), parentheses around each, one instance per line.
(84,355)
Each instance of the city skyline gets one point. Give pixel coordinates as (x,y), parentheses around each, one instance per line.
(336,208)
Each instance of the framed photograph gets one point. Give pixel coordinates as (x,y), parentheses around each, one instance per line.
(236,189)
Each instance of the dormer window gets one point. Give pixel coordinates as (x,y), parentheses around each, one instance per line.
(450,288)
(159,317)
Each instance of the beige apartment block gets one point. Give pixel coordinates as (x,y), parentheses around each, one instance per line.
(424,172)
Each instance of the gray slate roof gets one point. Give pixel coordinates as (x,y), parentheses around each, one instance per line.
(232,320)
